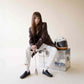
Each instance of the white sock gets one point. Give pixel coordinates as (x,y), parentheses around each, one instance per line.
(27,68)
(46,68)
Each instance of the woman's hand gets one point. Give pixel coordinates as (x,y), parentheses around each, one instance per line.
(34,47)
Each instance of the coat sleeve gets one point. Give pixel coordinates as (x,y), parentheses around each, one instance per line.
(31,40)
(43,36)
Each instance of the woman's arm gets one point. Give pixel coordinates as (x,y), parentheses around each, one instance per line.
(43,36)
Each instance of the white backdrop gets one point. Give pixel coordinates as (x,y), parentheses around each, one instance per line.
(63,17)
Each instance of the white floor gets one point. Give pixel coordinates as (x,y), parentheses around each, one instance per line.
(12,66)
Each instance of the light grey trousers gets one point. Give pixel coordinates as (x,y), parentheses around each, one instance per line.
(51,55)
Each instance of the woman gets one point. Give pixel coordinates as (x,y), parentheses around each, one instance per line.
(39,39)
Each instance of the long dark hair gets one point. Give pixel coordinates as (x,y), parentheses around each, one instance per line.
(33,26)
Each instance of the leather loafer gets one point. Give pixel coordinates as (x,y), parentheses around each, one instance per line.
(25,74)
(47,73)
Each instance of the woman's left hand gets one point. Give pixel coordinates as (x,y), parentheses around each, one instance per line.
(34,47)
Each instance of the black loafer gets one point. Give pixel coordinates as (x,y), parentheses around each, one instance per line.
(25,74)
(47,73)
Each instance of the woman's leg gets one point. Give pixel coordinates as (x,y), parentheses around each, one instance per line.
(27,62)
(28,57)
(51,56)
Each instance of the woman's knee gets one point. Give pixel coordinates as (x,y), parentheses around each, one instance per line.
(54,49)
(28,49)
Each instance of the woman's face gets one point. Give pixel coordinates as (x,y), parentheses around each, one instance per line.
(37,20)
